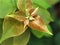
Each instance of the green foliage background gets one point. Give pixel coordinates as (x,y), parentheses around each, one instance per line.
(50,6)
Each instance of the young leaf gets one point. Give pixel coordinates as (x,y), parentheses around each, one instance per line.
(21,4)
(29,4)
(41,3)
(39,25)
(6,7)
(24,4)
(11,28)
(41,34)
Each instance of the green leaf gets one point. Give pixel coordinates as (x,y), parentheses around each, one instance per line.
(18,40)
(45,15)
(9,41)
(11,28)
(22,39)
(41,34)
(41,3)
(52,2)
(7,7)
(38,34)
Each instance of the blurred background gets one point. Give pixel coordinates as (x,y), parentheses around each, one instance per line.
(55,39)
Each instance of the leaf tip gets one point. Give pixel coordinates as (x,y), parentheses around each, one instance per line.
(49,32)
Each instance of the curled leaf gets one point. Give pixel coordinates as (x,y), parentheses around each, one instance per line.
(39,25)
(18,40)
(17,16)
(11,28)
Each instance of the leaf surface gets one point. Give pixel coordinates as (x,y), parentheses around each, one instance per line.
(18,40)
(41,3)
(45,15)
(6,7)
(11,28)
